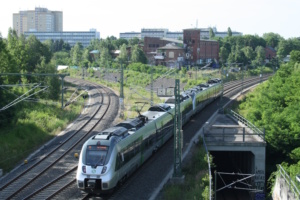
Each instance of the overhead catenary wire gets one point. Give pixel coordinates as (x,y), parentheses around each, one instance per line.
(72,95)
(19,99)
(20,85)
(71,101)
(29,99)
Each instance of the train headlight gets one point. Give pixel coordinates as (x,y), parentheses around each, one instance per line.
(103,170)
(84,169)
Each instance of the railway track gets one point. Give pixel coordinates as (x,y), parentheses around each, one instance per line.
(231,88)
(41,184)
(56,169)
(146,180)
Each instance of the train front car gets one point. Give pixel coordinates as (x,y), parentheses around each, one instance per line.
(96,166)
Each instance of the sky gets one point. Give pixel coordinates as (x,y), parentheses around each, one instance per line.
(112,17)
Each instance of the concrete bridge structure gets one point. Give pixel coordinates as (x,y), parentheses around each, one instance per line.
(233,137)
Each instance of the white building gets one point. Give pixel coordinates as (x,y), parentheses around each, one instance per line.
(165,33)
(130,35)
(71,37)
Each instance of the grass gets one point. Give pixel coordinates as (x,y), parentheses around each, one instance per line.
(196,183)
(136,82)
(32,125)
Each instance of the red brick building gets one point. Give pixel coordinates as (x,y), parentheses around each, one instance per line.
(197,50)
(270,53)
(170,55)
(151,44)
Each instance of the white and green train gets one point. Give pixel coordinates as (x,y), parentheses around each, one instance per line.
(108,158)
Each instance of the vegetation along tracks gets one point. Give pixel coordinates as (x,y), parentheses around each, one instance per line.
(59,160)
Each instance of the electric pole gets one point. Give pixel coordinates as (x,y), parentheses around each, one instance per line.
(177,132)
(121,93)
(151,92)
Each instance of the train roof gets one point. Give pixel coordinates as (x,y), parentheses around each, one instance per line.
(130,123)
(112,131)
(160,107)
(171,100)
(156,111)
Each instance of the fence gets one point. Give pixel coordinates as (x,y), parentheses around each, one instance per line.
(231,135)
(292,187)
(248,124)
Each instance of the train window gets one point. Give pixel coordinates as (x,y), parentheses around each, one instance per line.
(95,155)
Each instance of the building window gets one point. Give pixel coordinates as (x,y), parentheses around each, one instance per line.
(171,54)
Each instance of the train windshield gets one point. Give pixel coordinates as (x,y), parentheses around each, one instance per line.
(96,155)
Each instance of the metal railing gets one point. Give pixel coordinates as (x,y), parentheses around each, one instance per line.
(248,124)
(289,181)
(231,135)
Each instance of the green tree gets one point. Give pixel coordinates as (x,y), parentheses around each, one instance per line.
(61,58)
(104,58)
(286,46)
(54,89)
(18,49)
(229,32)
(223,54)
(211,33)
(119,42)
(86,58)
(76,54)
(275,105)
(36,50)
(249,53)
(123,56)
(260,54)
(272,39)
(137,55)
(295,57)
(134,41)
(7,63)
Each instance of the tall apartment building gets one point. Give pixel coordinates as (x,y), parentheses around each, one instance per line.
(38,20)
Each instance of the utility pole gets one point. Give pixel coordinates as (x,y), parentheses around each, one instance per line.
(198,52)
(221,98)
(242,79)
(215,185)
(260,74)
(151,89)
(82,72)
(177,132)
(122,93)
